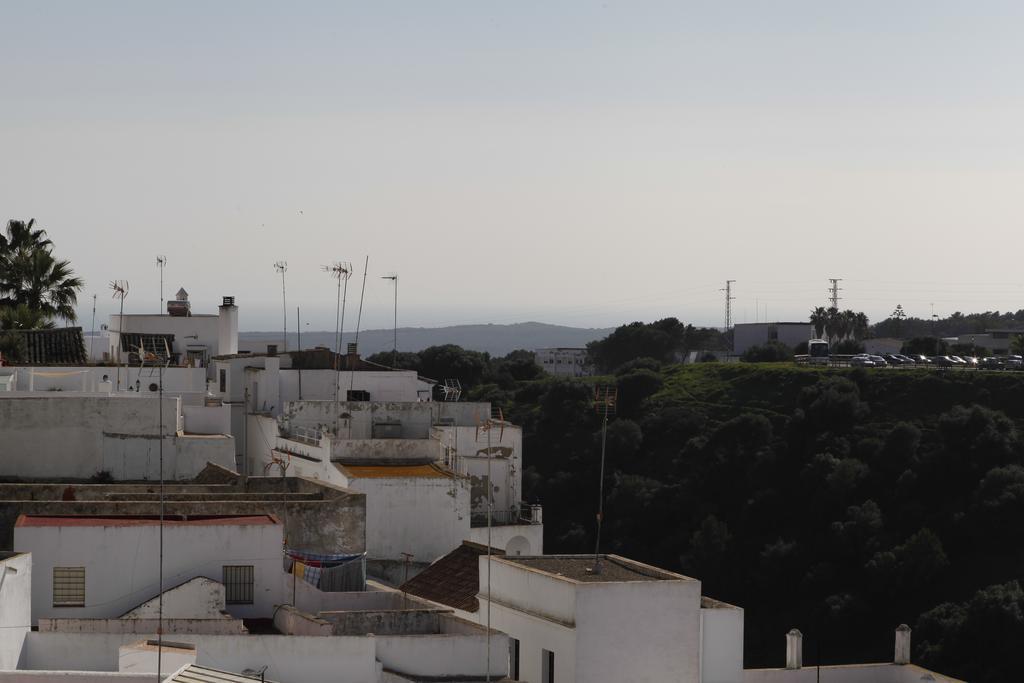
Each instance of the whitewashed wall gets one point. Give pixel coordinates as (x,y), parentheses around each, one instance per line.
(15,607)
(721,647)
(121,566)
(45,378)
(514,539)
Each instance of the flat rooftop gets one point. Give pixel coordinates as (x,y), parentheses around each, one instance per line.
(579,568)
(142,520)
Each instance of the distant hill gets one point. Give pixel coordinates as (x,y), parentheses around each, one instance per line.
(497,340)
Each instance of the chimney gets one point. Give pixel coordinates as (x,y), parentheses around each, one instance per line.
(902,644)
(794,649)
(227,327)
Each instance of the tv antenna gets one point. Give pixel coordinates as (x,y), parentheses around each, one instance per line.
(341,271)
(282,267)
(120,291)
(605,398)
(161,261)
(394,353)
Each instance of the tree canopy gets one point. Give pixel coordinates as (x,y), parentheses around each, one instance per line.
(36,288)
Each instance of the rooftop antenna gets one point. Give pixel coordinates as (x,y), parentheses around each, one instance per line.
(161,261)
(359,321)
(487,426)
(341,271)
(282,267)
(394,353)
(605,397)
(120,291)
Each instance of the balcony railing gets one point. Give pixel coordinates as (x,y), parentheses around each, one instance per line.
(524,514)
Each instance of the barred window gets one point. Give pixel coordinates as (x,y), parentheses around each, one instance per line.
(69,586)
(238,584)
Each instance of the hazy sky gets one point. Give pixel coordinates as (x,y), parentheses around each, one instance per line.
(569,162)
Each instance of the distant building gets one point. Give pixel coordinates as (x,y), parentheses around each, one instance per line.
(996,342)
(564,360)
(746,335)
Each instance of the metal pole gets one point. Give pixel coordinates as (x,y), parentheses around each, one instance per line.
(160,603)
(298,327)
(600,488)
(394,354)
(488,490)
(92,332)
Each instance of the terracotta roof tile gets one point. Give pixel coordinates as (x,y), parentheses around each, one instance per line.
(453,580)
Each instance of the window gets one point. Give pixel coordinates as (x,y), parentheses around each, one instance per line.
(223,380)
(69,586)
(513,658)
(547,666)
(238,584)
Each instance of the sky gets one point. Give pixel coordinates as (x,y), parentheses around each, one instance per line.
(578,163)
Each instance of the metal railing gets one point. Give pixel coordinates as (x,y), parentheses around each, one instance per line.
(522,514)
(307,435)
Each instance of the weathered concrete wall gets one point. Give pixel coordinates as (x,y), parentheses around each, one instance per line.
(73,677)
(88,378)
(198,598)
(385,623)
(15,606)
(394,451)
(355,419)
(75,437)
(292,622)
(207,419)
(317,517)
(222,626)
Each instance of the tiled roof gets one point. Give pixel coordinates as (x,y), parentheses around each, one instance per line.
(427,471)
(58,346)
(453,580)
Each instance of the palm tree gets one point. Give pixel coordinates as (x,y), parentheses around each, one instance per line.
(31,276)
(860,325)
(833,323)
(819,318)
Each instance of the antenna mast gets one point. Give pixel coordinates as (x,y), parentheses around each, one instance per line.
(161,261)
(394,353)
(120,290)
(359,320)
(605,398)
(833,292)
(341,271)
(729,298)
(282,267)
(92,331)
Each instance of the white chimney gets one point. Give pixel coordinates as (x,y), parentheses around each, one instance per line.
(794,649)
(902,644)
(227,327)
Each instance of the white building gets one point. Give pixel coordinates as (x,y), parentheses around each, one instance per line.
(15,606)
(564,360)
(178,338)
(103,567)
(746,335)
(631,622)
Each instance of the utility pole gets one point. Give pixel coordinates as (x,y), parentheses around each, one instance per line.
(92,332)
(833,292)
(729,298)
(282,267)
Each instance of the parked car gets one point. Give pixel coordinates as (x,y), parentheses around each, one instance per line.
(910,360)
(990,363)
(972,361)
(942,361)
(878,361)
(957,360)
(896,359)
(919,359)
(861,360)
(1013,362)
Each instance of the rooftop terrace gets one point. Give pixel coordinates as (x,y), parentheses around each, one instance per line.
(580,568)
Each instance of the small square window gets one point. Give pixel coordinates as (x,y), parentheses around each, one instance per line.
(238,584)
(69,586)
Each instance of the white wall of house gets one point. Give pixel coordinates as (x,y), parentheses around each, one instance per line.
(121,569)
(721,643)
(194,331)
(470,446)
(425,516)
(89,379)
(15,607)
(73,677)
(514,539)
(197,598)
(117,434)
(855,673)
(645,631)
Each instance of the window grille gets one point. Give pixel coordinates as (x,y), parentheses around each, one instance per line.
(238,584)
(69,586)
